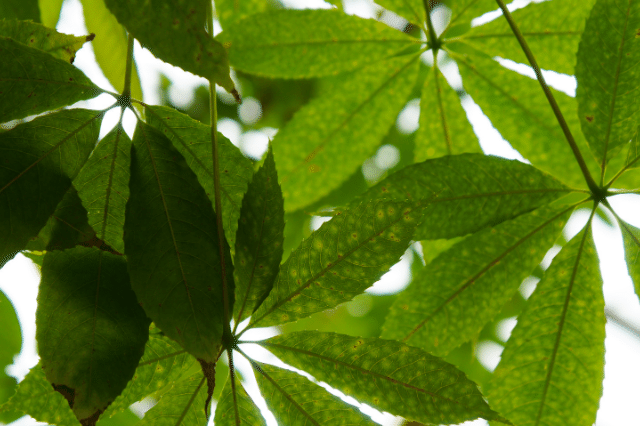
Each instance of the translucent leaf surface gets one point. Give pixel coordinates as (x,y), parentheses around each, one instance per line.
(33,81)
(340,260)
(103,187)
(229,11)
(174,32)
(461,290)
(37,36)
(385,374)
(309,43)
(248,413)
(607,72)
(468,192)
(328,139)
(295,401)
(55,146)
(90,330)
(193,140)
(259,242)
(552,367)
(171,245)
(50,12)
(10,344)
(631,238)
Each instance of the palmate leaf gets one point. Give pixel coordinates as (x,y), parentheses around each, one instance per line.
(607,72)
(33,81)
(259,241)
(386,374)
(468,192)
(461,290)
(328,139)
(229,11)
(171,246)
(340,260)
(246,413)
(309,43)
(461,10)
(174,32)
(91,332)
(55,146)
(103,187)
(296,401)
(552,367)
(193,140)
(631,238)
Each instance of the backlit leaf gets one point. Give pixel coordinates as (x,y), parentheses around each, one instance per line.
(248,413)
(385,374)
(411,10)
(631,238)
(552,367)
(10,344)
(229,11)
(309,43)
(50,12)
(340,260)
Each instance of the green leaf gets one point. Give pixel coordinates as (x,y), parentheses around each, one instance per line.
(259,241)
(465,287)
(608,74)
(37,36)
(174,32)
(552,30)
(110,46)
(20,9)
(10,344)
(55,146)
(295,401)
(171,246)
(36,397)
(552,367)
(103,187)
(238,409)
(444,128)
(193,140)
(530,124)
(385,374)
(33,81)
(309,43)
(90,330)
(229,11)
(468,192)
(340,260)
(328,139)
(631,238)
(50,12)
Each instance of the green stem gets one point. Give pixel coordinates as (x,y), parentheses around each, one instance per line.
(593,186)
(433,38)
(232,377)
(129,67)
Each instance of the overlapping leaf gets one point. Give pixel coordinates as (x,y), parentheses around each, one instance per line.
(33,81)
(298,402)
(20,9)
(171,246)
(386,374)
(50,12)
(229,11)
(631,238)
(468,192)
(10,344)
(608,72)
(259,241)
(414,10)
(309,43)
(340,260)
(329,138)
(55,146)
(450,300)
(238,409)
(90,330)
(552,367)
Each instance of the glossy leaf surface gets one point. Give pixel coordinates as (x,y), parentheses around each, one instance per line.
(248,413)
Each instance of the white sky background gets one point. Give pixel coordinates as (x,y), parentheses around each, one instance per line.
(619,405)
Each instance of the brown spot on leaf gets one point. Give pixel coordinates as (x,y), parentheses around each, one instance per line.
(90,37)
(589,118)
(68,393)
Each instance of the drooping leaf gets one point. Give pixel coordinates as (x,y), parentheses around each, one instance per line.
(91,332)
(309,43)
(193,140)
(10,344)
(296,401)
(340,260)
(229,11)
(552,367)
(103,187)
(110,46)
(55,146)
(50,12)
(33,81)
(37,36)
(20,9)
(328,139)
(631,238)
(174,32)
(248,413)
(35,396)
(259,241)
(471,282)
(171,245)
(607,72)
(386,374)
(468,192)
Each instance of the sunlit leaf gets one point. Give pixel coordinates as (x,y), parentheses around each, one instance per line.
(385,374)
(631,238)
(229,11)
(411,10)
(238,409)
(10,344)
(50,12)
